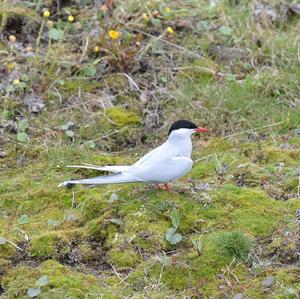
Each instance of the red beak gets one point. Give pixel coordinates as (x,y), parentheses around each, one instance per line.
(201,130)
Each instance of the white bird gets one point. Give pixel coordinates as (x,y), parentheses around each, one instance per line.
(168,162)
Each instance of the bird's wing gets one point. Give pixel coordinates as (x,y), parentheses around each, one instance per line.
(117,178)
(163,170)
(112,168)
(159,151)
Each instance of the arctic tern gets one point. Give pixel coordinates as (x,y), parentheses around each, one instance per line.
(168,162)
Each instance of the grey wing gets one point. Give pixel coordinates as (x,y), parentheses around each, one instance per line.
(165,171)
(148,156)
(111,168)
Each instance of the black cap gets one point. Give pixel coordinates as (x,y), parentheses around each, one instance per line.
(182,124)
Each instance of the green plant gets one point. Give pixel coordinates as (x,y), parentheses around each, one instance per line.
(234,244)
(36,291)
(172,236)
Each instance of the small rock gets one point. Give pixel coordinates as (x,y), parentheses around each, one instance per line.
(264,12)
(34,103)
(227,54)
(9,126)
(3,154)
(285,146)
(268,282)
(238,296)
(225,296)
(203,187)
(296,131)
(294,8)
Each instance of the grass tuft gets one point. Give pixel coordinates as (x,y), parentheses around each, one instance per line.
(234,244)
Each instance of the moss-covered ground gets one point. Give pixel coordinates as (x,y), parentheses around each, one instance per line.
(82,97)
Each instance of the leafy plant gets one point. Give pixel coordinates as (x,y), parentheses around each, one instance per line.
(198,245)
(23,126)
(234,244)
(23,219)
(171,235)
(36,291)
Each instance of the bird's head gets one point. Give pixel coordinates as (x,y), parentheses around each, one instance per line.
(185,128)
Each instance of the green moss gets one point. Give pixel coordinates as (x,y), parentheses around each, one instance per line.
(275,155)
(122,117)
(123,258)
(291,185)
(250,175)
(86,252)
(248,209)
(94,206)
(4,265)
(7,251)
(96,229)
(49,245)
(111,236)
(202,170)
(63,282)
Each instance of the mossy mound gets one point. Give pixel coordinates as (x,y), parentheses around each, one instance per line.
(121,117)
(49,245)
(63,282)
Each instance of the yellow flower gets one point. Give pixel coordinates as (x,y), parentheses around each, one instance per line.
(70,19)
(170,30)
(113,34)
(16,82)
(46,14)
(10,66)
(145,17)
(96,49)
(167,10)
(12,38)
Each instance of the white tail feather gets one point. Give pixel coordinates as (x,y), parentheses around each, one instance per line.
(117,178)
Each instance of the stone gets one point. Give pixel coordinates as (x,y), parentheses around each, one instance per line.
(268,282)
(238,296)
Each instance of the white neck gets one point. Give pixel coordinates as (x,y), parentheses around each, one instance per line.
(181,139)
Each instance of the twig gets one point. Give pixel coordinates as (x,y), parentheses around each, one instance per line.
(73,200)
(251,130)
(109,134)
(116,272)
(84,50)
(60,98)
(201,68)
(200,159)
(130,80)
(22,232)
(298,193)
(123,280)
(12,243)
